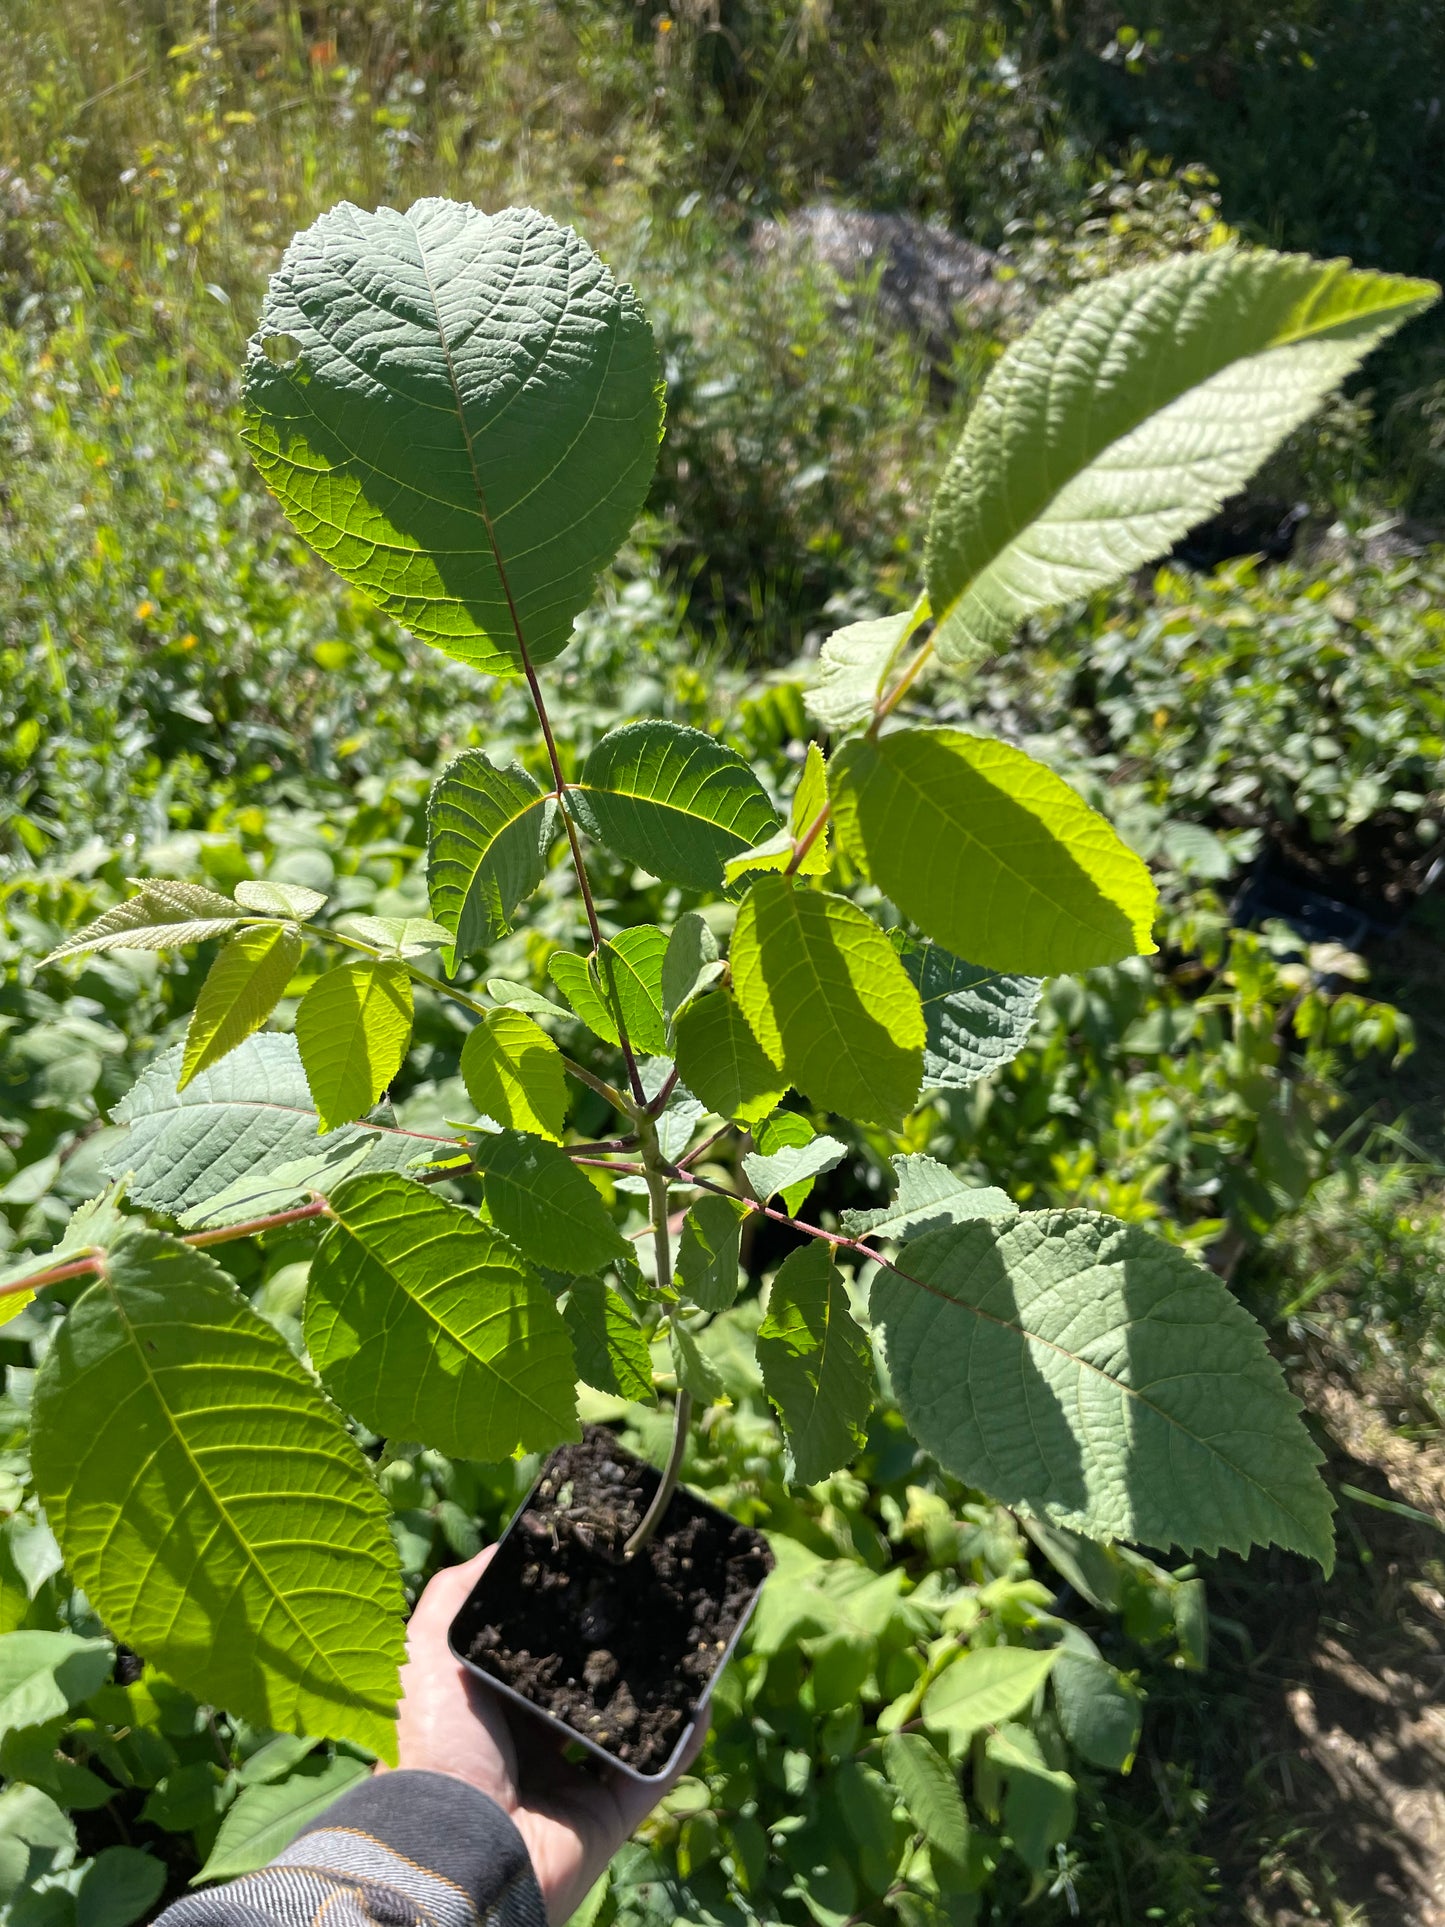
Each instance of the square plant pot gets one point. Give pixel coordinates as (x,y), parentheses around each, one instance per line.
(618,1656)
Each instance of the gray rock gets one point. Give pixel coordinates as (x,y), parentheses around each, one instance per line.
(932,282)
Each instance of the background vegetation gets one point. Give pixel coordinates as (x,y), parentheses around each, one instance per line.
(184,692)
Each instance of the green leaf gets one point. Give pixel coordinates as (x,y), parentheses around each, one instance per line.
(1038,1805)
(718,1058)
(990,853)
(244,985)
(707,1251)
(690,964)
(266,1819)
(928,1787)
(978,1020)
(611,1349)
(817,1365)
(791,1167)
(427,1324)
(164,916)
(694,1369)
(929,1197)
(1144,1403)
(42,1675)
(1128,413)
(397,936)
(221,1520)
(36,1838)
(508,397)
(241,1140)
(118,1887)
(809,798)
(548,1208)
(289,900)
(672,800)
(787,1131)
(514,1075)
(850,670)
(352,1030)
(982,1688)
(828,1001)
(573,976)
(1100,1710)
(627,970)
(775,852)
(516,996)
(487,835)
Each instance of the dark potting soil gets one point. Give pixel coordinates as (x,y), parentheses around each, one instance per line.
(621,1650)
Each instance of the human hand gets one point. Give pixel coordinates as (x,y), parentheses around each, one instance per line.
(573,1822)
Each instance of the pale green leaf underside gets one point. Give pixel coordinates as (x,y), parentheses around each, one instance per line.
(672,800)
(242,988)
(828,1001)
(163,916)
(690,964)
(793,1164)
(265,1819)
(990,853)
(982,1688)
(929,1197)
(464,421)
(44,1674)
(220,1520)
(817,1365)
(978,1020)
(270,899)
(850,669)
(487,836)
(1127,413)
(548,1208)
(1142,1402)
(241,1139)
(719,1058)
(352,1030)
(427,1324)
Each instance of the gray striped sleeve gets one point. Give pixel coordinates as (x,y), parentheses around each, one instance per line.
(400,1850)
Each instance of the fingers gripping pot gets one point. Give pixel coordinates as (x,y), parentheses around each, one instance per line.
(618,1655)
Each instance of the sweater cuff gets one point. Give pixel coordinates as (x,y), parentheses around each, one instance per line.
(432,1837)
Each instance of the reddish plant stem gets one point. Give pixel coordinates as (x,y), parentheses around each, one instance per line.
(224,1234)
(809,837)
(702,1149)
(85,1266)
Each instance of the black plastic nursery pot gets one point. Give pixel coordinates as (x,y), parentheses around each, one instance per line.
(617,1655)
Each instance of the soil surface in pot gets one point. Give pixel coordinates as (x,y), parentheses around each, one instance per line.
(621,1650)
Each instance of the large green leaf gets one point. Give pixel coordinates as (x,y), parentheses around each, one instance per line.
(212,1504)
(352,1030)
(978,1020)
(1087,1371)
(929,1197)
(928,1787)
(673,801)
(991,853)
(427,1324)
(486,848)
(243,987)
(1128,413)
(460,412)
(241,1139)
(548,1207)
(164,916)
(718,1058)
(816,1364)
(267,1818)
(513,1073)
(828,1001)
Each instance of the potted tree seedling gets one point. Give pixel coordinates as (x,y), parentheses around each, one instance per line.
(460,412)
